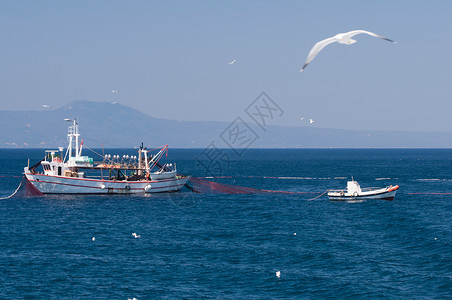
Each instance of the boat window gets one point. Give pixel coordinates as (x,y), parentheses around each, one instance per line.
(46,167)
(59,170)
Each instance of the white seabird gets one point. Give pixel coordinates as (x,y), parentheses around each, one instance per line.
(302,118)
(114,91)
(341,38)
(45,106)
(311,121)
(278,274)
(230,63)
(137,236)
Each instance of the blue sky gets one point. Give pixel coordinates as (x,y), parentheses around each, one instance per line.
(169,59)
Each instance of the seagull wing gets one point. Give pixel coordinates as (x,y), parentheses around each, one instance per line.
(352,33)
(316,49)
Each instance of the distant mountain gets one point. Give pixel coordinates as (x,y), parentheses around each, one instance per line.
(117,125)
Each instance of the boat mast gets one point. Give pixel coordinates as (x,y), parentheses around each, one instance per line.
(72,133)
(76,134)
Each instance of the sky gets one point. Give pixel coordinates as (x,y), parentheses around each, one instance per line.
(169,59)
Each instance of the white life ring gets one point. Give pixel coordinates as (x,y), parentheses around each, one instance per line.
(355,194)
(127,188)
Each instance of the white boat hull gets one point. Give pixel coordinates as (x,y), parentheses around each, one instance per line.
(48,184)
(382,196)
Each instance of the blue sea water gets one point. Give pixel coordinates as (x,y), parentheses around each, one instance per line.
(230,246)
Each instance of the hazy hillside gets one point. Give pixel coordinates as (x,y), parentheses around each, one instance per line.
(116,125)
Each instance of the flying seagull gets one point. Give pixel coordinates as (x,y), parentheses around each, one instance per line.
(341,38)
(114,91)
(278,274)
(230,63)
(302,118)
(311,121)
(45,106)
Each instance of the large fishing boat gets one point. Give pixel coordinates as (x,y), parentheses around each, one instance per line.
(77,174)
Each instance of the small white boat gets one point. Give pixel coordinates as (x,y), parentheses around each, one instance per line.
(355,192)
(77,174)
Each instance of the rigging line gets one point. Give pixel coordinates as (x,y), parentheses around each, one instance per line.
(159,156)
(101,142)
(103,156)
(161,147)
(12,193)
(95,151)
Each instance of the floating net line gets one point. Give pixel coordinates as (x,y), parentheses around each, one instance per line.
(28,189)
(199,185)
(25,189)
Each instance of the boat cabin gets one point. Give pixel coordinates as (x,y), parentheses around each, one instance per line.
(353,187)
(54,165)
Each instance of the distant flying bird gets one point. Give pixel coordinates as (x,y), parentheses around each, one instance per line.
(45,106)
(311,121)
(114,91)
(230,63)
(114,102)
(302,118)
(137,236)
(341,38)
(278,274)
(93,239)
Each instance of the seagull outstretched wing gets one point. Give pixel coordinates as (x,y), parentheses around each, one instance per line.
(316,49)
(343,38)
(352,33)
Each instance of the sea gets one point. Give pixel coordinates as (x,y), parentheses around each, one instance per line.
(213,245)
